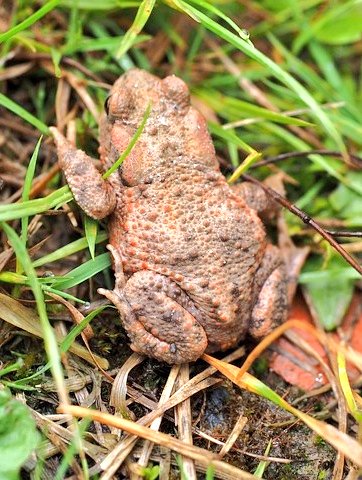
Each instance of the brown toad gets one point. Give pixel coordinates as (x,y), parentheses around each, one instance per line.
(193,269)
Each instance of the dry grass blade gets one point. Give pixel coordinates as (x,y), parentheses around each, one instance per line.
(59,435)
(61,102)
(339,440)
(184,422)
(165,463)
(76,315)
(14,312)
(155,425)
(5,257)
(119,388)
(78,85)
(123,448)
(194,385)
(351,355)
(204,457)
(353,474)
(234,435)
(15,71)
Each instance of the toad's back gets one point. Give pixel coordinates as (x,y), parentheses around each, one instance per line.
(185,223)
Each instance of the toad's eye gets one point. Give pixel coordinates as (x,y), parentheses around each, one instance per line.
(106,104)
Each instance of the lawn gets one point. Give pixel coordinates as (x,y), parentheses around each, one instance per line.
(280,86)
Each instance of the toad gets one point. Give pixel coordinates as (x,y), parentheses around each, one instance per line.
(193,269)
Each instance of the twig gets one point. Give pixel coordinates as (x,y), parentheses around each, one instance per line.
(343,233)
(332,153)
(307,220)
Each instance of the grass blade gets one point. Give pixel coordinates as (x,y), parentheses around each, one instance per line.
(28,22)
(24,114)
(84,272)
(67,250)
(33,207)
(27,187)
(235,109)
(91,229)
(50,341)
(339,440)
(275,69)
(131,144)
(143,13)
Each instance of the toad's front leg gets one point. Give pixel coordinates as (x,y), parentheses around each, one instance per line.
(153,312)
(94,195)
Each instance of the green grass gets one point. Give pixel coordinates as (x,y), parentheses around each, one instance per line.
(297,56)
(50,343)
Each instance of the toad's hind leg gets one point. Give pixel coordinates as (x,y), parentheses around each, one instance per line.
(257,199)
(94,195)
(271,305)
(156,322)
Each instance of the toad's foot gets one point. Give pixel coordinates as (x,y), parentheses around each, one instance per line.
(271,305)
(156,323)
(93,194)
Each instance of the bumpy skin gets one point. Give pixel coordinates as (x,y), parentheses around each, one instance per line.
(193,268)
